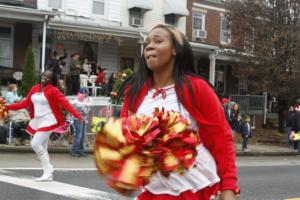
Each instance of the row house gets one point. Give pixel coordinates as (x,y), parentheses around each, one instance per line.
(207,30)
(109,33)
(17,21)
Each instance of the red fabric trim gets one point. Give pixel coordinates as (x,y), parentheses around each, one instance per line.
(32,131)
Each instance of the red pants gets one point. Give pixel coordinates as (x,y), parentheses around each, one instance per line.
(203,194)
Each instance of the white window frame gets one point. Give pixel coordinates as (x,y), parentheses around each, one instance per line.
(62,5)
(105,8)
(203,20)
(222,31)
(12,43)
(132,15)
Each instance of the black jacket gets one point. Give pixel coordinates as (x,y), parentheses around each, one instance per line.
(290,119)
(296,122)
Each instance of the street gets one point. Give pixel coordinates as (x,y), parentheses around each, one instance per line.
(260,178)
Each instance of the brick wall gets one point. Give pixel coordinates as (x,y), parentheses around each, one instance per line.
(212,21)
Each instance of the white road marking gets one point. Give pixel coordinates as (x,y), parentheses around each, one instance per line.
(56,169)
(58,188)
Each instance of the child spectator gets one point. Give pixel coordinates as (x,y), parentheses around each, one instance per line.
(101,76)
(246,131)
(12,94)
(82,104)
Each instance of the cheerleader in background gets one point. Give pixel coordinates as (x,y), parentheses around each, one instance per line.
(45,103)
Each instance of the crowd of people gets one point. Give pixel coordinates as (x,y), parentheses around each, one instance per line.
(81,73)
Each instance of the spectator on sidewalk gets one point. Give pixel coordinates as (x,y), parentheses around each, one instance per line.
(75,69)
(296,127)
(82,105)
(289,124)
(86,67)
(235,118)
(246,131)
(12,94)
(100,80)
(20,119)
(55,63)
(225,104)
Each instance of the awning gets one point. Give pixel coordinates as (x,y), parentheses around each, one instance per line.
(24,14)
(176,7)
(94,28)
(145,4)
(204,48)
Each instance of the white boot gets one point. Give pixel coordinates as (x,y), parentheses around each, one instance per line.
(47,168)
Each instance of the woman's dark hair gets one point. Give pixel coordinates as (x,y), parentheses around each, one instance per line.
(54,80)
(183,66)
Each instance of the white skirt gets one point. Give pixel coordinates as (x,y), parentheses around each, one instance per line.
(203,174)
(45,123)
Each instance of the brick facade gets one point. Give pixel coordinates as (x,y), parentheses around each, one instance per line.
(212,21)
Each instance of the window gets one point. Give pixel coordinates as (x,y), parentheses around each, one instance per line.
(243,86)
(198,32)
(225,33)
(249,41)
(57,4)
(171,19)
(99,7)
(135,17)
(198,21)
(6,45)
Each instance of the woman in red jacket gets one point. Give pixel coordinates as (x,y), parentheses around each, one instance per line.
(166,79)
(44,101)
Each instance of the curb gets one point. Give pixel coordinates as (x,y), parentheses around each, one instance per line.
(66,150)
(28,149)
(244,154)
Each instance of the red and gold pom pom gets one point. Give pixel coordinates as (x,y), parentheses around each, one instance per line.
(3,109)
(129,150)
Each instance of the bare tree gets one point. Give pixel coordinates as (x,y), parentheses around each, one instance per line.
(266,37)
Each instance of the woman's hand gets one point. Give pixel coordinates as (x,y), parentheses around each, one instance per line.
(228,195)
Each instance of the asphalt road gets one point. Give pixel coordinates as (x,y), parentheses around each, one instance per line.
(260,178)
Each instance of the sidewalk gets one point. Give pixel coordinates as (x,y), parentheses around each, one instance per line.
(254,150)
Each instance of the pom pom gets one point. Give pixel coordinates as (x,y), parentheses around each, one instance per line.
(3,109)
(129,150)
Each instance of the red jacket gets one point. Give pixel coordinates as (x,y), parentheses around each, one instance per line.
(215,133)
(100,78)
(55,99)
